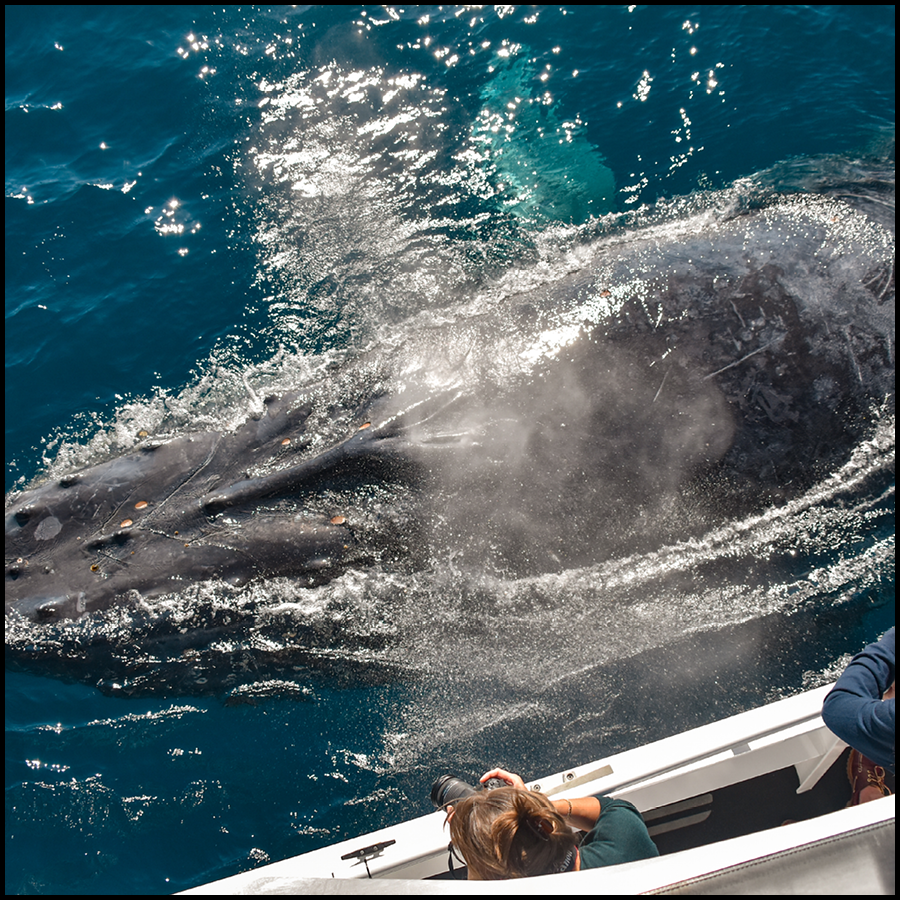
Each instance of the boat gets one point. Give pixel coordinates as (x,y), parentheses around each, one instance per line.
(754,803)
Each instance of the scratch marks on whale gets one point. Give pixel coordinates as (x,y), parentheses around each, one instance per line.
(694,368)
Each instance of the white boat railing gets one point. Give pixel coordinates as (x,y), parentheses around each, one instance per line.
(787,732)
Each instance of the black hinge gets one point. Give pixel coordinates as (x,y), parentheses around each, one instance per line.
(368,853)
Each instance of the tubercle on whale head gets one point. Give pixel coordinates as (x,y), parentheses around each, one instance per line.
(23,515)
(47,609)
(230,496)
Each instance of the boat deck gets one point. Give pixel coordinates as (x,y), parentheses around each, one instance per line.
(766,801)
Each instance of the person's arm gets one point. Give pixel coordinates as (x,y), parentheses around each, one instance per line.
(855,710)
(579,812)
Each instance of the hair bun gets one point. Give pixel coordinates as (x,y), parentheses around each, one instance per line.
(511,833)
(540,826)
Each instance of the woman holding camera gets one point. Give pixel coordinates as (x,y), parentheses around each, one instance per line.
(511,832)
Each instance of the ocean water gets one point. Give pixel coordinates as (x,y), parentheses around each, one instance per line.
(205,202)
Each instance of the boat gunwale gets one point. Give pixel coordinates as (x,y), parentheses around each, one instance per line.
(422,840)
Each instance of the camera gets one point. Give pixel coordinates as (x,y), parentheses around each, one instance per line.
(450,789)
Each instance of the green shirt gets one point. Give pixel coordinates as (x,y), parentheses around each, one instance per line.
(619,836)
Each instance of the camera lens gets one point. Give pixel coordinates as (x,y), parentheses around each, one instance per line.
(449,789)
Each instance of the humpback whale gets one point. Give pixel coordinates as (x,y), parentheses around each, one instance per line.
(702,360)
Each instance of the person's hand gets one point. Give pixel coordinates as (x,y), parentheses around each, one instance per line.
(510,778)
(889,693)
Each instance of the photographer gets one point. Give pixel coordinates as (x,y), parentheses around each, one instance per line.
(859,709)
(511,832)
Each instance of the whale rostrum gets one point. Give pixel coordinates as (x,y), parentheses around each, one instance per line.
(686,366)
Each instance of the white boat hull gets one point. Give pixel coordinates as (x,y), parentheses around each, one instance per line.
(846,851)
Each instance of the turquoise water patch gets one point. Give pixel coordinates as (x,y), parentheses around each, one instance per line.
(540,163)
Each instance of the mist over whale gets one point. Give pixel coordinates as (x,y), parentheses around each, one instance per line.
(682,378)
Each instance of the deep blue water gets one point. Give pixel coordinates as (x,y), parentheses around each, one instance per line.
(154,256)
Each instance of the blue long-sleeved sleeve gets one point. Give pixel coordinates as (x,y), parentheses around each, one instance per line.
(853,709)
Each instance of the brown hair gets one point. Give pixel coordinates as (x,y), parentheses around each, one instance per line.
(510,833)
